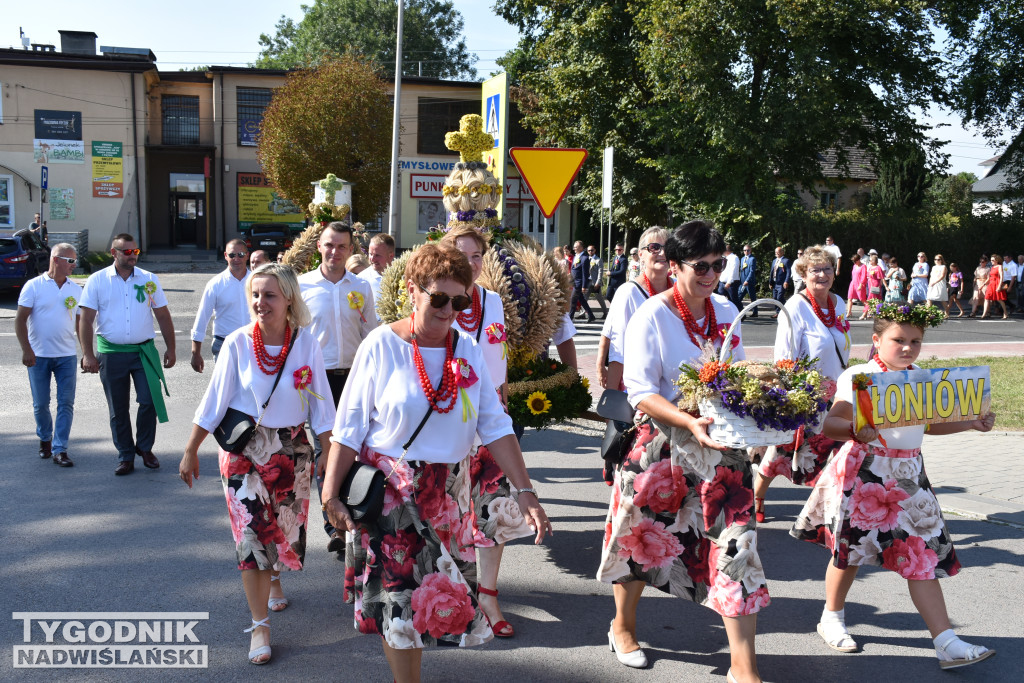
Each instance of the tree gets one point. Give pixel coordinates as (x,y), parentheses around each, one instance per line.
(902,178)
(952,194)
(431,37)
(335,118)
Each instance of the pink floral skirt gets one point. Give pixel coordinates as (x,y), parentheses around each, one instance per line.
(497,513)
(801,465)
(875,506)
(267,491)
(681,518)
(412,575)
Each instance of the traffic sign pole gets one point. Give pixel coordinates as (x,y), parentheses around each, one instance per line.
(44,183)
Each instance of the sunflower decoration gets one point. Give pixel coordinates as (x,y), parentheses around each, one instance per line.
(538,403)
(543,391)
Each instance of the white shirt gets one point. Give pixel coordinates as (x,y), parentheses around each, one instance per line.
(224,298)
(901,437)
(628,298)
(238,382)
(120,317)
(374,278)
(493,312)
(51,324)
(1010,271)
(566,331)
(383,402)
(658,344)
(732,269)
(813,339)
(336,325)
(834,250)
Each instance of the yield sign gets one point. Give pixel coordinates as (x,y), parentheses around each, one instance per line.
(548,172)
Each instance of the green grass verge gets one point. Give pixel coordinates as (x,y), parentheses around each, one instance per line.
(1007,386)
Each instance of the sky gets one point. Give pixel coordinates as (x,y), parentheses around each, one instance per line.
(189,33)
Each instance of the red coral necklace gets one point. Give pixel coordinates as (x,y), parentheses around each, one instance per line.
(446,392)
(827,318)
(648,285)
(269,364)
(471,321)
(690,324)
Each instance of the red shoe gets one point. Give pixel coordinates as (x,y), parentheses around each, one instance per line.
(502,629)
(759,510)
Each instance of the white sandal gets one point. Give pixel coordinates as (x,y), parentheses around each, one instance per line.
(262,650)
(273,603)
(836,636)
(972,654)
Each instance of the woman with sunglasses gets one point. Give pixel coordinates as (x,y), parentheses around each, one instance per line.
(938,294)
(418,397)
(995,290)
(980,282)
(681,516)
(484,321)
(822,333)
(653,279)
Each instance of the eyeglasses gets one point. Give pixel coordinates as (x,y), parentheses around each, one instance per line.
(236,254)
(702,267)
(460,302)
(129,252)
(71,261)
(655,248)
(820,271)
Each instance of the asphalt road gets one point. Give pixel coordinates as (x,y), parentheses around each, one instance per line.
(83,540)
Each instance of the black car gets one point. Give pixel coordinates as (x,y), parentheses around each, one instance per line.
(270,237)
(22,257)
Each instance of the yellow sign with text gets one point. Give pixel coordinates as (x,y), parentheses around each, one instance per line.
(915,397)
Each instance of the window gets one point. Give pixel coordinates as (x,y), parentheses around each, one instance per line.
(829,201)
(437,117)
(251,103)
(181,119)
(7,201)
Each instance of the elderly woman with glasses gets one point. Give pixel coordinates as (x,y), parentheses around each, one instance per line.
(681,516)
(418,398)
(822,333)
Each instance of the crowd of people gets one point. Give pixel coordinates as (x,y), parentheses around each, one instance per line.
(294,350)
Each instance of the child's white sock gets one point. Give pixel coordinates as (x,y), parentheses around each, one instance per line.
(949,647)
(833,630)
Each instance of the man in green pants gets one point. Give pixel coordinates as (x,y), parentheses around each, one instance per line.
(122,301)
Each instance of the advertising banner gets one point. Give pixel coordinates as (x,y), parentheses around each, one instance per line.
(916,397)
(62,203)
(107,170)
(52,124)
(58,151)
(258,202)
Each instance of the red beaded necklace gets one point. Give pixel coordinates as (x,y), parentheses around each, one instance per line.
(447,390)
(269,364)
(690,324)
(828,318)
(648,285)
(471,321)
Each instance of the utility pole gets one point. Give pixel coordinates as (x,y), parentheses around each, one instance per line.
(396,129)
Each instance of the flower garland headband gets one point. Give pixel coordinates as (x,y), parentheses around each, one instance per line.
(918,316)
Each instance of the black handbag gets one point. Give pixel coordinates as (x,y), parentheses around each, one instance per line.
(236,428)
(363,490)
(619,431)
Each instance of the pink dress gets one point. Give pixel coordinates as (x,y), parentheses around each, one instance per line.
(858,284)
(875,277)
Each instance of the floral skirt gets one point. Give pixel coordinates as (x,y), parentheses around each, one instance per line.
(681,518)
(875,506)
(801,465)
(412,575)
(497,512)
(267,491)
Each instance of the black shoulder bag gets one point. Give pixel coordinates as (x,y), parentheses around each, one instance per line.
(362,492)
(236,428)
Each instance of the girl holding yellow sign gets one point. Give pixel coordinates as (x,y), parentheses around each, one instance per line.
(873,504)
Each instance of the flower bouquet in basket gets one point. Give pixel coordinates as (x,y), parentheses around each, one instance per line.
(754,403)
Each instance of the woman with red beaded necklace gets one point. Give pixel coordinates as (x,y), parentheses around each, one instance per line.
(489,486)
(413,570)
(267,485)
(653,279)
(682,510)
(822,333)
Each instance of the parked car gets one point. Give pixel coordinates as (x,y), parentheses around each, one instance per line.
(22,257)
(270,237)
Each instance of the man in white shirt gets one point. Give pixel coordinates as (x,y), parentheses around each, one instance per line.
(381,254)
(122,300)
(257,259)
(45,326)
(729,280)
(224,299)
(342,306)
(833,248)
(1010,280)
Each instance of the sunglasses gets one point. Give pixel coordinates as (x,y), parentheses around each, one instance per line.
(71,261)
(460,302)
(129,252)
(655,248)
(702,267)
(236,254)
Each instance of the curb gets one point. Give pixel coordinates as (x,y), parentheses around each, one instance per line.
(955,500)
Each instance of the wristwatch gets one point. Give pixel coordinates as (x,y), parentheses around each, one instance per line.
(529,489)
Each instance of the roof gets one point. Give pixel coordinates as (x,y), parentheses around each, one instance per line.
(860,161)
(998,180)
(67,60)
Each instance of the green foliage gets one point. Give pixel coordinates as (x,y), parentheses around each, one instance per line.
(902,178)
(431,37)
(568,399)
(951,194)
(335,118)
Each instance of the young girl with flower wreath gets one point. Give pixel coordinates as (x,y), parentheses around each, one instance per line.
(874,505)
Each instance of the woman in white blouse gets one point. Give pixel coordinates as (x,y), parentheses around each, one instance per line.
(822,333)
(413,570)
(267,485)
(484,321)
(681,516)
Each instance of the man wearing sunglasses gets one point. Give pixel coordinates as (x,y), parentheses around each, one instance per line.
(224,299)
(45,328)
(748,278)
(121,301)
(580,270)
(617,271)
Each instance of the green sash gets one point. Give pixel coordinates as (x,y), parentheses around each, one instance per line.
(150,363)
